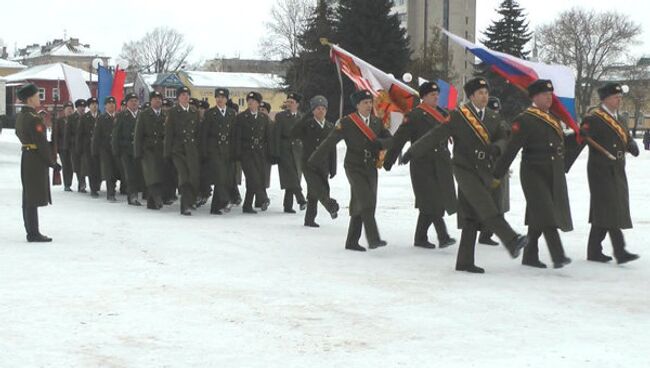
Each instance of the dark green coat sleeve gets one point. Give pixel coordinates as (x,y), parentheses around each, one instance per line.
(517,140)
(431,139)
(324,149)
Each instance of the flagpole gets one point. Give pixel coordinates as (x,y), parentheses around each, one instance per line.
(325,42)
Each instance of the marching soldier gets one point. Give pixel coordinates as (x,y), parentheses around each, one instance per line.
(235,196)
(58,131)
(610,203)
(217,148)
(365,137)
(123,133)
(35,162)
(265,108)
(252,150)
(542,174)
(102,146)
(148,145)
(431,174)
(289,153)
(181,133)
(171,177)
(478,138)
(89,163)
(205,190)
(311,131)
(71,128)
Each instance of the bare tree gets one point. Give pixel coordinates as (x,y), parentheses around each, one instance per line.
(589,42)
(161,50)
(637,76)
(288,21)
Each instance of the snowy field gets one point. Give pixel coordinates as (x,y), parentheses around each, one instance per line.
(129,287)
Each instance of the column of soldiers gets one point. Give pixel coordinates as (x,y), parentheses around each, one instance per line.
(198,151)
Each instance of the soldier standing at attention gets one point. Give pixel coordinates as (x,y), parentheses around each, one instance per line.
(366,138)
(312,130)
(148,145)
(541,136)
(217,148)
(431,175)
(252,150)
(71,128)
(101,147)
(610,199)
(478,138)
(58,131)
(35,162)
(123,134)
(181,133)
(89,163)
(289,151)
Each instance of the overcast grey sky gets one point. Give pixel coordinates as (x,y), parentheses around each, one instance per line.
(218,27)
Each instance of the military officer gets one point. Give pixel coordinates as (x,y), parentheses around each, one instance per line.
(252,150)
(181,145)
(102,146)
(89,163)
(35,161)
(311,130)
(171,177)
(431,174)
(289,153)
(540,134)
(366,139)
(478,138)
(610,203)
(205,189)
(58,132)
(71,128)
(148,145)
(237,171)
(123,133)
(265,108)
(217,149)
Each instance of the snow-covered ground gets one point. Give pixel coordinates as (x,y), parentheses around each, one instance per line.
(129,287)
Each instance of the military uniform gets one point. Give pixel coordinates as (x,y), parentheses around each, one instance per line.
(217,147)
(34,164)
(58,132)
(431,174)
(289,152)
(253,151)
(122,143)
(478,136)
(89,164)
(102,148)
(312,133)
(148,148)
(70,144)
(181,145)
(609,210)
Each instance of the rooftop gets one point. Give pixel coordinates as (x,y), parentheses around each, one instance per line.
(49,72)
(234,80)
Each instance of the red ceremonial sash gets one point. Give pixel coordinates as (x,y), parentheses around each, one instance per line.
(547,118)
(434,112)
(365,129)
(475,124)
(609,120)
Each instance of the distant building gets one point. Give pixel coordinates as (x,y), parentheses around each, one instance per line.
(457,16)
(165,83)
(69,51)
(236,65)
(10,67)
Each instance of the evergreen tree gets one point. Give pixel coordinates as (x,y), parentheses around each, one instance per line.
(509,34)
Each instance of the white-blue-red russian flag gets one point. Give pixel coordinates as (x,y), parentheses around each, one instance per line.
(522,73)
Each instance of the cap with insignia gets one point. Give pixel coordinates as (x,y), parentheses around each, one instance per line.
(609,89)
(359,96)
(428,87)
(265,105)
(155,94)
(68,104)
(131,96)
(494,103)
(204,104)
(80,103)
(146,105)
(109,99)
(474,85)
(123,103)
(168,102)
(182,90)
(91,100)
(27,91)
(254,96)
(540,86)
(317,101)
(42,112)
(294,96)
(222,92)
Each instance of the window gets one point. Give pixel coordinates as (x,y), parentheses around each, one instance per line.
(241,102)
(466,20)
(399,2)
(55,94)
(170,93)
(401,17)
(41,94)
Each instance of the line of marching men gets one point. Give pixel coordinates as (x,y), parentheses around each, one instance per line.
(199,151)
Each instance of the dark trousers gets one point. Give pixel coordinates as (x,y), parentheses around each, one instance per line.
(424,223)
(110,187)
(553,241)
(188,197)
(258,194)
(369,224)
(497,225)
(30,218)
(66,168)
(596,237)
(220,197)
(154,195)
(95,177)
(288,198)
(130,174)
